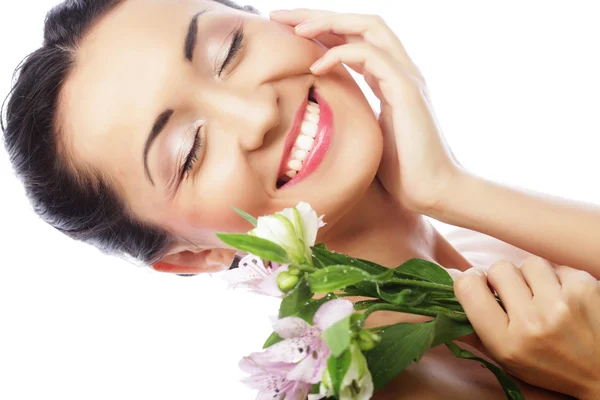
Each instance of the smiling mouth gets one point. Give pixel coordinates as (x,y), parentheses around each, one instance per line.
(297,154)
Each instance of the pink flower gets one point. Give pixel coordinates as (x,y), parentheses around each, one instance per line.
(290,368)
(252,274)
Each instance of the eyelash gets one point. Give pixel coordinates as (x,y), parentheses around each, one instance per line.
(236,45)
(193,155)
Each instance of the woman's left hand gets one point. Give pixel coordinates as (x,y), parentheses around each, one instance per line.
(549,332)
(417,166)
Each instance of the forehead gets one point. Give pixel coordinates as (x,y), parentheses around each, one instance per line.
(117,87)
(121,64)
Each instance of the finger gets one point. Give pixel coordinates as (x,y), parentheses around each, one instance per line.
(508,282)
(540,277)
(567,275)
(360,57)
(330,40)
(370,28)
(454,273)
(485,314)
(582,291)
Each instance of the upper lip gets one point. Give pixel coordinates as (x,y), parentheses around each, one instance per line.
(292,135)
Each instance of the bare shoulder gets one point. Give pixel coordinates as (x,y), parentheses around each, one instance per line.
(483,250)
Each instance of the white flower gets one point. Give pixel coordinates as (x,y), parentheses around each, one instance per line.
(294,229)
(357,383)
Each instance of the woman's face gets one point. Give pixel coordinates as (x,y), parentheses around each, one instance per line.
(191,107)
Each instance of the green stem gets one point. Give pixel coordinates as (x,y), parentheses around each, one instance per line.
(422,284)
(430,312)
(306,267)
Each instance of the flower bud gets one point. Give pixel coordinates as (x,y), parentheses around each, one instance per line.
(286,281)
(356,321)
(294,270)
(367,340)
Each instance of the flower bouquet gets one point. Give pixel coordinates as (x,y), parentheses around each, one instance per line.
(320,347)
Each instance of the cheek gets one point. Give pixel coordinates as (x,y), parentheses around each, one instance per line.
(274,48)
(207,207)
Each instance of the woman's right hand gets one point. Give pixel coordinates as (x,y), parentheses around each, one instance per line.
(549,333)
(417,167)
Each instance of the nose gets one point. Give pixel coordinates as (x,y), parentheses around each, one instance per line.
(249,114)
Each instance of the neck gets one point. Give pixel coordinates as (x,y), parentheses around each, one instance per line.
(378,229)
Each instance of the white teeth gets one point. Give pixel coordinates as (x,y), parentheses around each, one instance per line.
(296,165)
(311,116)
(304,142)
(300,154)
(309,128)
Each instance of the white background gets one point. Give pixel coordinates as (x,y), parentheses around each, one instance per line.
(516,87)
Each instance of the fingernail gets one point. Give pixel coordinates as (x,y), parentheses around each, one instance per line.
(476,271)
(277,12)
(317,65)
(303,26)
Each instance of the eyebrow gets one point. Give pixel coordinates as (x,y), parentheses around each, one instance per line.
(158,126)
(191,38)
(163,119)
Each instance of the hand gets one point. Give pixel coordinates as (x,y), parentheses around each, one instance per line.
(417,165)
(549,334)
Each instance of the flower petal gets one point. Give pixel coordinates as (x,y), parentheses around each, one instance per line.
(332,312)
(250,273)
(296,390)
(275,231)
(288,351)
(366,387)
(311,223)
(311,369)
(291,327)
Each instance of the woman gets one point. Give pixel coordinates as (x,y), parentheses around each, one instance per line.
(140,123)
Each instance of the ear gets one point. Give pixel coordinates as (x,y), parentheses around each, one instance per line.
(196,262)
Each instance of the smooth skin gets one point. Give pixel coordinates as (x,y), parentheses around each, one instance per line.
(549,334)
(131,68)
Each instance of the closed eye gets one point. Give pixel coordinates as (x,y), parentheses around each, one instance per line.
(236,45)
(193,154)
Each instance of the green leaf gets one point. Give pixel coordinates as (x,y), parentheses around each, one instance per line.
(400,345)
(262,248)
(327,258)
(510,388)
(336,277)
(425,270)
(246,216)
(446,329)
(295,300)
(404,343)
(337,336)
(315,389)
(273,339)
(337,368)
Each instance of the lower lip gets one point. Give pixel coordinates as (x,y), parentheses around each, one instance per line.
(322,141)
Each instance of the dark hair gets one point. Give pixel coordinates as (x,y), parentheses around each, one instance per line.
(77,201)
